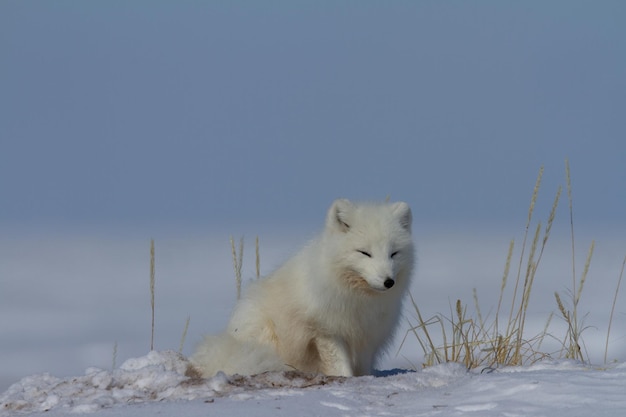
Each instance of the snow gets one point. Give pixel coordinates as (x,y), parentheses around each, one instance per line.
(155,383)
(95,293)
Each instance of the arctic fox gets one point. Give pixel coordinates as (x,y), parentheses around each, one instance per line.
(330,309)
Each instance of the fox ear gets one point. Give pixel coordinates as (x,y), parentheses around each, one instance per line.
(338,217)
(403,212)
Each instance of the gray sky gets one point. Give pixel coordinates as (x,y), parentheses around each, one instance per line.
(149,114)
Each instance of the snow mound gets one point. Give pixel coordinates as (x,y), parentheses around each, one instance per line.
(160,376)
(154,377)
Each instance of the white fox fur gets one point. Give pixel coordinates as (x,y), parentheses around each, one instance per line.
(331,309)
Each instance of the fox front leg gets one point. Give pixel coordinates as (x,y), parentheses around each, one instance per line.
(334,356)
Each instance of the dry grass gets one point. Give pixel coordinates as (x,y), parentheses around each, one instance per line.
(114,358)
(608,332)
(237,263)
(572,341)
(152,281)
(476,342)
(258,258)
(501,340)
(575,325)
(184,335)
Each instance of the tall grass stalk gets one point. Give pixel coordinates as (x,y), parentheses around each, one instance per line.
(531,209)
(575,326)
(114,360)
(568,180)
(237,263)
(511,352)
(533,264)
(257,257)
(184,336)
(608,332)
(152,280)
(505,275)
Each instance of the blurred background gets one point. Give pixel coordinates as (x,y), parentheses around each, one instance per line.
(192,121)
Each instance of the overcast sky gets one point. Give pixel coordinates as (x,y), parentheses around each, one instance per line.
(150,114)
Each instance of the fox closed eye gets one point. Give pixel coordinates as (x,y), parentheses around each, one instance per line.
(369,255)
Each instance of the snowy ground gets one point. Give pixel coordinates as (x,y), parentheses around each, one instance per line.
(154,384)
(66,301)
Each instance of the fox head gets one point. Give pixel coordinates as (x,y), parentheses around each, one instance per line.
(371,244)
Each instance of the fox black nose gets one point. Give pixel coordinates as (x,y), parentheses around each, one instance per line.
(389,283)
